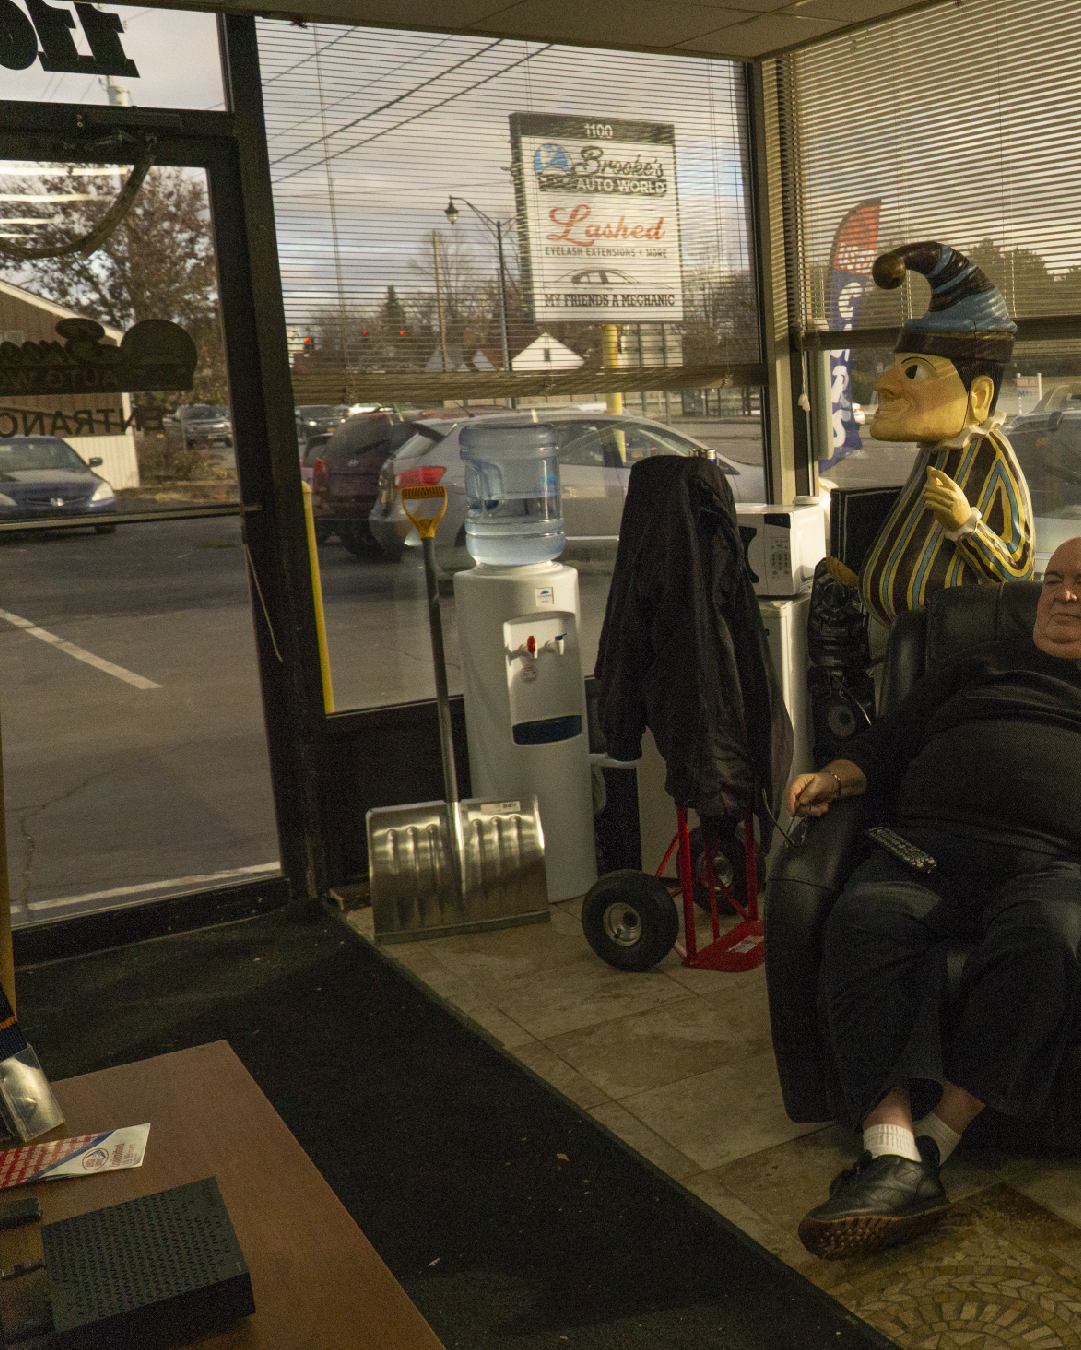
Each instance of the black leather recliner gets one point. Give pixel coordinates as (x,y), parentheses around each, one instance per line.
(805,882)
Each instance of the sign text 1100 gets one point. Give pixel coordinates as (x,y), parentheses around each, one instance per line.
(52,27)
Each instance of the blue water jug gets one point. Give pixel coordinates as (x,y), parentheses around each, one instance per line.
(512,482)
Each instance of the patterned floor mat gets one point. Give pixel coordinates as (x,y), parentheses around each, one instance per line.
(999,1272)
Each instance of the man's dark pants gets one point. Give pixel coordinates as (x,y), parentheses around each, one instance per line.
(884,974)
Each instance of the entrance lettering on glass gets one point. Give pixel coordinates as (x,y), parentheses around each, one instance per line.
(52,27)
(82,422)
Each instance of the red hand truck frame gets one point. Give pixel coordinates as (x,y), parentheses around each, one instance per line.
(742,947)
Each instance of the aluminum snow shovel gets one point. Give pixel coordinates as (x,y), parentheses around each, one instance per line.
(452,866)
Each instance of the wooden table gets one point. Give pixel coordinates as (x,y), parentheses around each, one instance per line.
(317,1281)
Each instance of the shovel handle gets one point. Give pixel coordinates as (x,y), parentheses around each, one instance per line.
(425,525)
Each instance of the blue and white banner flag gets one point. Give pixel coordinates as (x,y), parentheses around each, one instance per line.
(851,258)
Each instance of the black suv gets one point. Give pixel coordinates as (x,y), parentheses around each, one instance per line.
(345,477)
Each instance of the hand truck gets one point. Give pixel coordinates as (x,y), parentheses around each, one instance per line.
(631,920)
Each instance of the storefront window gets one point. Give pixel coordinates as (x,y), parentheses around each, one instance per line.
(410,172)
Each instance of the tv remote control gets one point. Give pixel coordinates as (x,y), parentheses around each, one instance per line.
(908,853)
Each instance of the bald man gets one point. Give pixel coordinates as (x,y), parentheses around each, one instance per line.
(980,767)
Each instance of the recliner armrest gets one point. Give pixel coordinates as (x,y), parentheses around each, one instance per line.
(835,843)
(800,892)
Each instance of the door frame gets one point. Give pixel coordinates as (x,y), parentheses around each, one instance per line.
(231,147)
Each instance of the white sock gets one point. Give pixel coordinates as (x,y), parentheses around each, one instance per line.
(946,1138)
(893,1139)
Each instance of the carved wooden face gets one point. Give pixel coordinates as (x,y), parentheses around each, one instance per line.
(921,398)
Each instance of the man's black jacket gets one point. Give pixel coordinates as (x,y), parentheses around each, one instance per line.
(683,650)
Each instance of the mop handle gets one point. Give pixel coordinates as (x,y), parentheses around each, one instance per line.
(426,526)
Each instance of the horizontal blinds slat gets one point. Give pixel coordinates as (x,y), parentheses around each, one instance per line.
(965,121)
(426,387)
(369,131)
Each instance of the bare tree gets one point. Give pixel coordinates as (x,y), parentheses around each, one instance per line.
(157,264)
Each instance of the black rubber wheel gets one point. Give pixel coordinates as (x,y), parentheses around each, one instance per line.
(630,920)
(358,540)
(105,529)
(729,868)
(393,552)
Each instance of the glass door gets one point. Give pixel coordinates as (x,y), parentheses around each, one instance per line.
(136,760)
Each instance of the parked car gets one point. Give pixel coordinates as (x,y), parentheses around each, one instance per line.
(344,471)
(1047,442)
(318,419)
(592,471)
(205,424)
(41,477)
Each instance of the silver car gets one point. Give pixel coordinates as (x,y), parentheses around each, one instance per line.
(596,453)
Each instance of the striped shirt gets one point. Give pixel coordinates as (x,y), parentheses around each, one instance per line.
(914,556)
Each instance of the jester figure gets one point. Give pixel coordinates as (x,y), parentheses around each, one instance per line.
(964,515)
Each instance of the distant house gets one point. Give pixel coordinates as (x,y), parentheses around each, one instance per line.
(546,353)
(98,425)
(543,353)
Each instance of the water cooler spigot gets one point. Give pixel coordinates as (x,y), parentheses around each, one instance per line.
(529,651)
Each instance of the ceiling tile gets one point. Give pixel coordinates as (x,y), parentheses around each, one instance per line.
(436,15)
(641,23)
(740,29)
(754,6)
(849,11)
(767,33)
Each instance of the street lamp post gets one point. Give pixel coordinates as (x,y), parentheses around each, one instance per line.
(452,214)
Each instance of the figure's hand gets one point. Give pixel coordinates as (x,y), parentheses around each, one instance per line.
(949,504)
(841,572)
(810,794)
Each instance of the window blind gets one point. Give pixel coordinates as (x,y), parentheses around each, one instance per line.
(370,132)
(964,122)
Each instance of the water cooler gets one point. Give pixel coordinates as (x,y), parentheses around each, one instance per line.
(518,617)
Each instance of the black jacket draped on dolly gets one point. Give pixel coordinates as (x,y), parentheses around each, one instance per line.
(683,650)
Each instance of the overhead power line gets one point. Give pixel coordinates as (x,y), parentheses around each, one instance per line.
(282,131)
(384,106)
(423,113)
(281,74)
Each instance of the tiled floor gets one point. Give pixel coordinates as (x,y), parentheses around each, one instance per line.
(678,1063)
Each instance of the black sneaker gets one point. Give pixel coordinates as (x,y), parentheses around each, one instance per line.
(876,1204)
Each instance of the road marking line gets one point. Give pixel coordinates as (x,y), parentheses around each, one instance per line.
(154,886)
(139,681)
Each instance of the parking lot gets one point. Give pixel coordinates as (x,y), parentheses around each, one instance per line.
(134,754)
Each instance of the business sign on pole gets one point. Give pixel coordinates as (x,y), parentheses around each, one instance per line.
(851,259)
(598,219)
